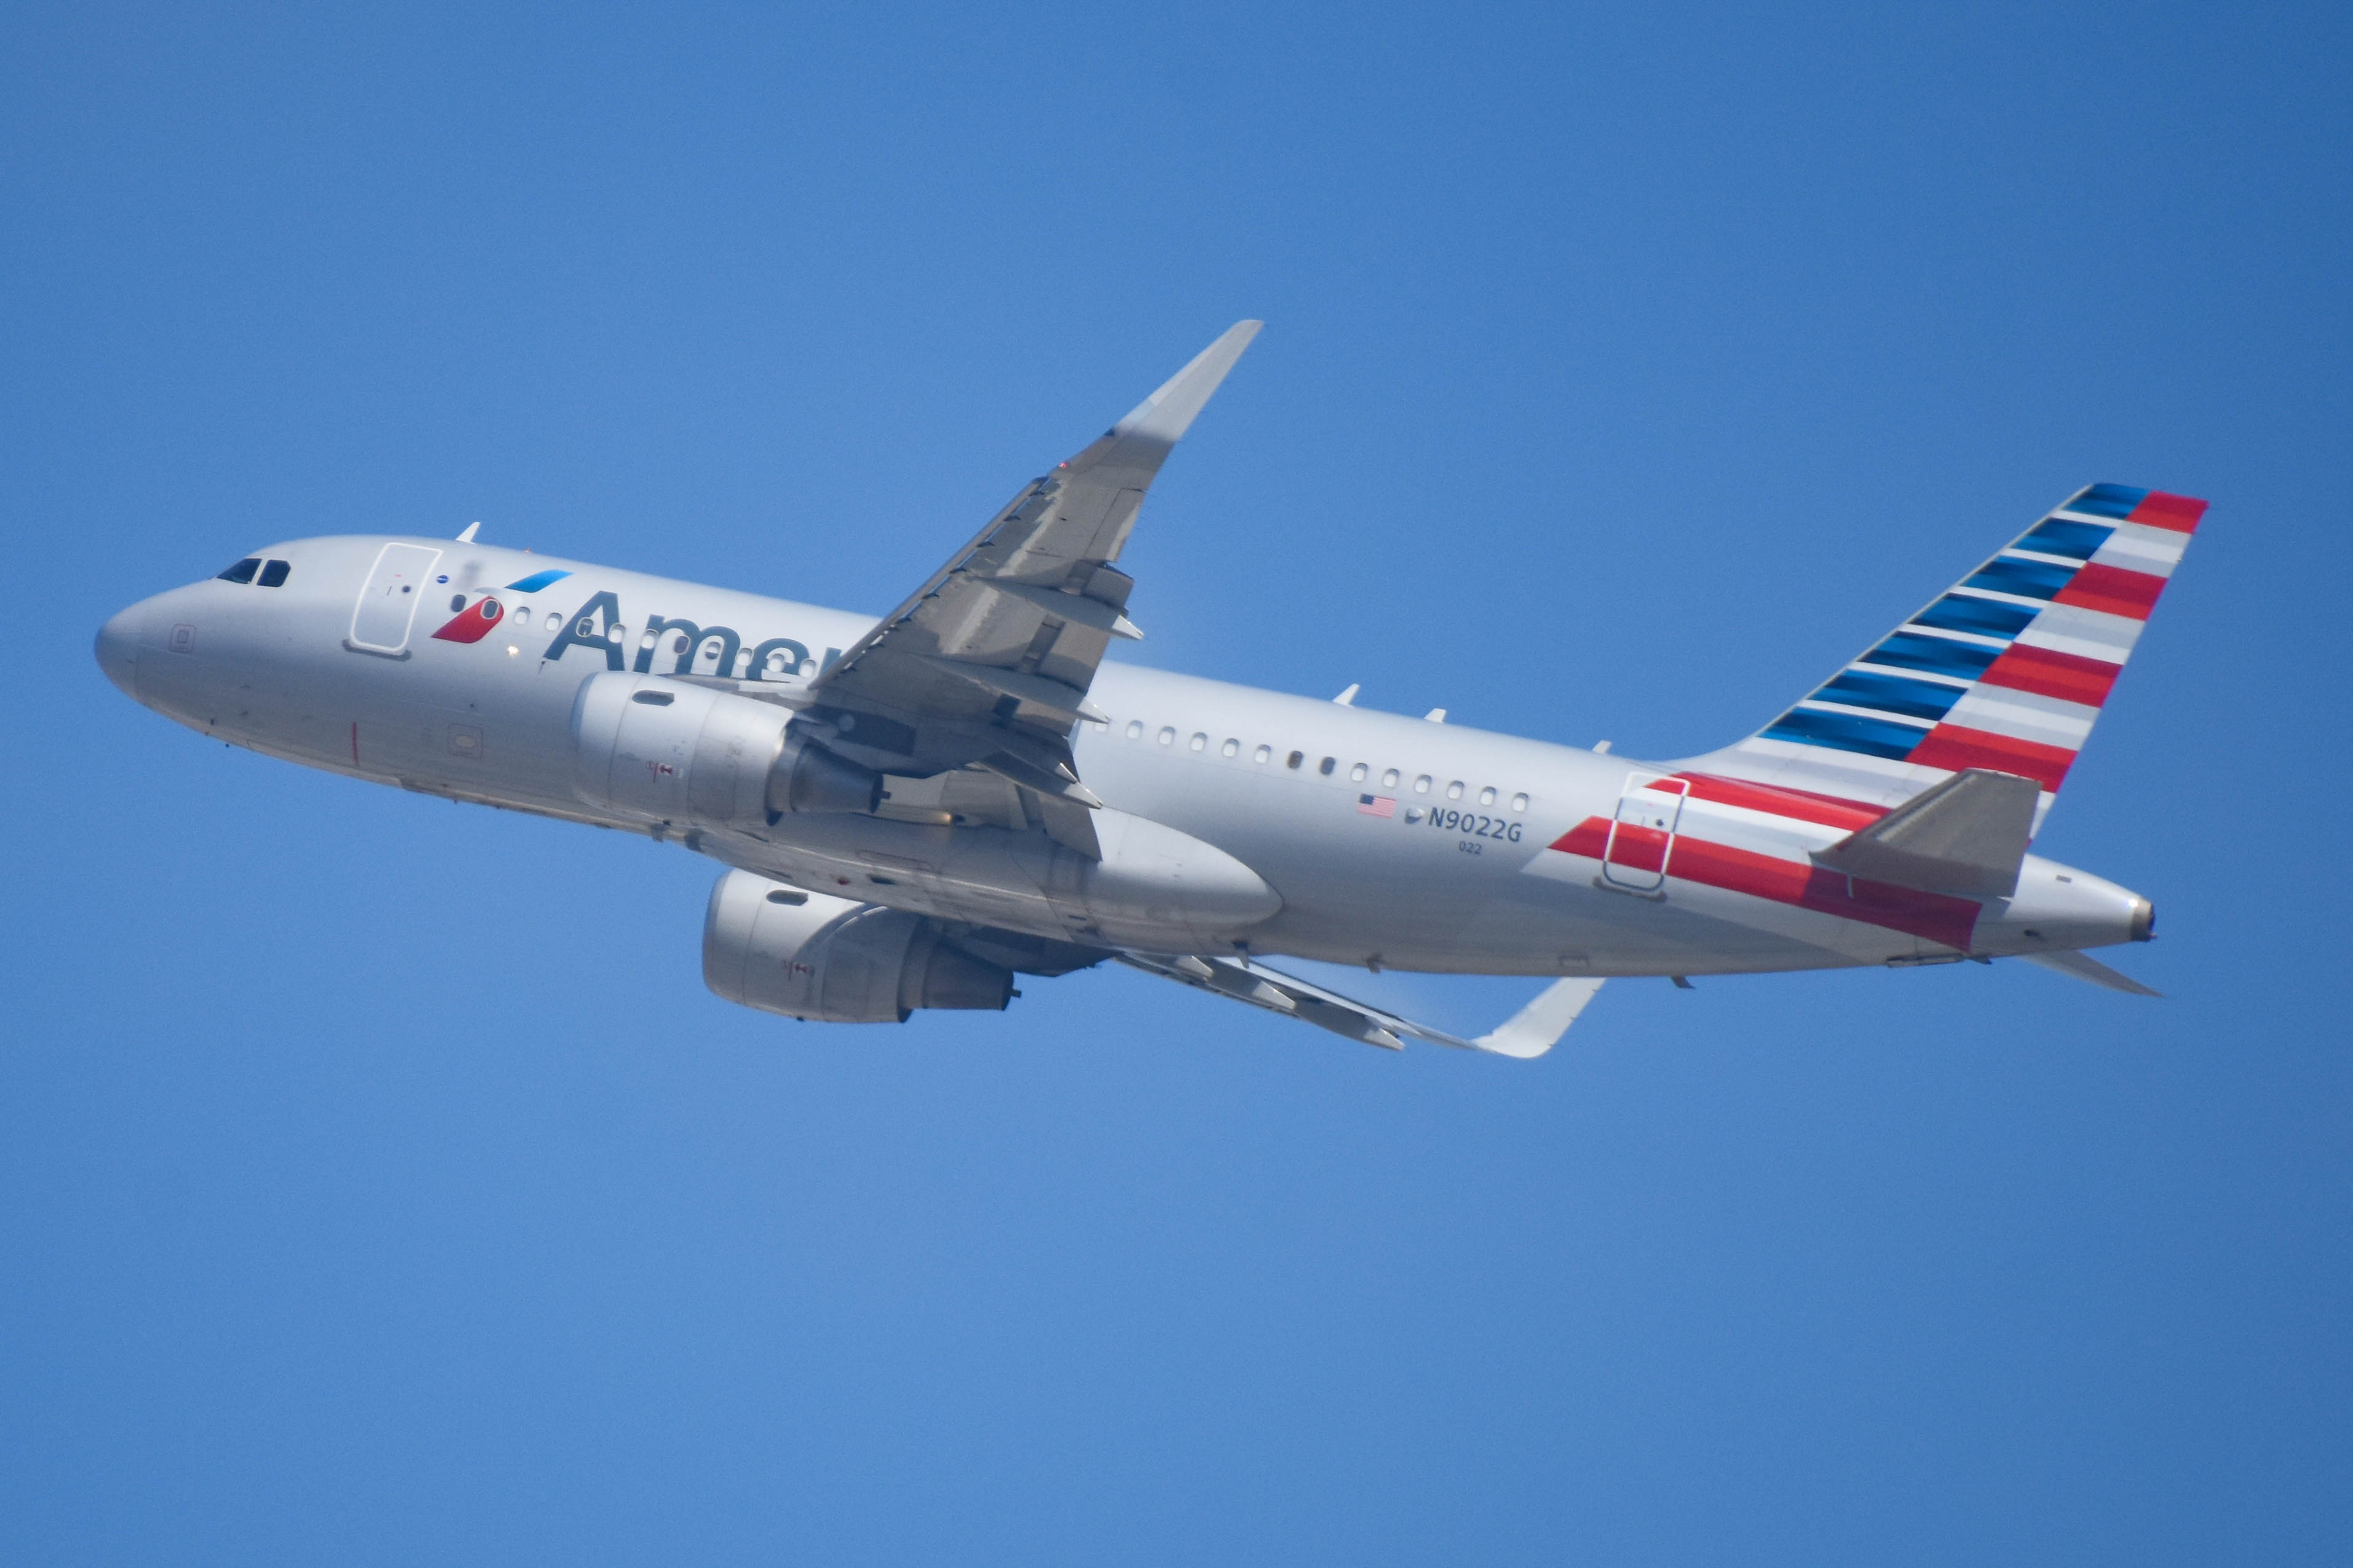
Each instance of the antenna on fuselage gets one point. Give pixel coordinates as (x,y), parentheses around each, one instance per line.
(468,537)
(1348,698)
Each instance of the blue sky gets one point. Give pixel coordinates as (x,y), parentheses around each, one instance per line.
(378,1184)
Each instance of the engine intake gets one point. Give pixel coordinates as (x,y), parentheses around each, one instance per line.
(679,752)
(827,960)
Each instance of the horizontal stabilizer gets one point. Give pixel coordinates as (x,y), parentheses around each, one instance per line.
(2091,970)
(1529,1032)
(1967,835)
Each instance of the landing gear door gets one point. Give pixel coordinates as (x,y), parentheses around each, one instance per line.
(389,600)
(1642,835)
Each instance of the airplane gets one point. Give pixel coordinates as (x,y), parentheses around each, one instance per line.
(913,811)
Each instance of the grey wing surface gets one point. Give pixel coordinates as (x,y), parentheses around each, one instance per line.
(987,665)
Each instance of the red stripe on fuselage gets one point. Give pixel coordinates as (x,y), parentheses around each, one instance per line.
(1935,915)
(2046,672)
(1828,810)
(1587,838)
(2158,509)
(2114,590)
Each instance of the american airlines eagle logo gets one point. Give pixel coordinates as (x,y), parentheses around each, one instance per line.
(473,622)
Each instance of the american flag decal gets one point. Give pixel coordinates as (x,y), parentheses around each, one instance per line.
(1377,806)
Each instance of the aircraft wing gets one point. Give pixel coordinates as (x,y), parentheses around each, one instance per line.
(1529,1032)
(989,663)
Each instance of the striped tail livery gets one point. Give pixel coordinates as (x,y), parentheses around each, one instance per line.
(2005,672)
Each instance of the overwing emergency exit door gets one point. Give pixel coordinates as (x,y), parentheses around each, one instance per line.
(389,600)
(1642,834)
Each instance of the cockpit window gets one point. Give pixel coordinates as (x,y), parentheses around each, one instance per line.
(273,575)
(243,570)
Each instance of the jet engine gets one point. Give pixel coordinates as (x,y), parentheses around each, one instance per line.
(680,753)
(830,961)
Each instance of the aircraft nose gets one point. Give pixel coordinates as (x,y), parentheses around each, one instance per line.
(118,649)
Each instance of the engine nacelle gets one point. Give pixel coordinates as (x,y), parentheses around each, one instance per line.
(679,752)
(830,961)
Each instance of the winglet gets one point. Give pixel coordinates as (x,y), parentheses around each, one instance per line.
(1533,1030)
(1169,413)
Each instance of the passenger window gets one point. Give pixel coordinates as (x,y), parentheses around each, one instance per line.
(1292,760)
(1167,735)
(1389,779)
(1487,795)
(1135,728)
(1199,740)
(555,619)
(1356,774)
(273,575)
(1519,803)
(1421,785)
(1262,754)
(1232,749)
(1326,766)
(1454,790)
(243,570)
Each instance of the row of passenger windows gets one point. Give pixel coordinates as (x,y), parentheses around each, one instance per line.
(1358,772)
(273,572)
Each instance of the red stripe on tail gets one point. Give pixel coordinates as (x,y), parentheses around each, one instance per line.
(1940,917)
(2046,672)
(2114,590)
(1804,805)
(1956,746)
(2158,509)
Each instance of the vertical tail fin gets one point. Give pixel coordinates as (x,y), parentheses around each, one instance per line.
(2007,670)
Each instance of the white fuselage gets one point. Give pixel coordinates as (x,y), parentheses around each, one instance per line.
(1450,866)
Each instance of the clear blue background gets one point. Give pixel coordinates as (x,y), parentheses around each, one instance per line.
(379,1184)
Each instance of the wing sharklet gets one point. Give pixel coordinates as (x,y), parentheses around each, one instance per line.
(1170,411)
(1538,1027)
